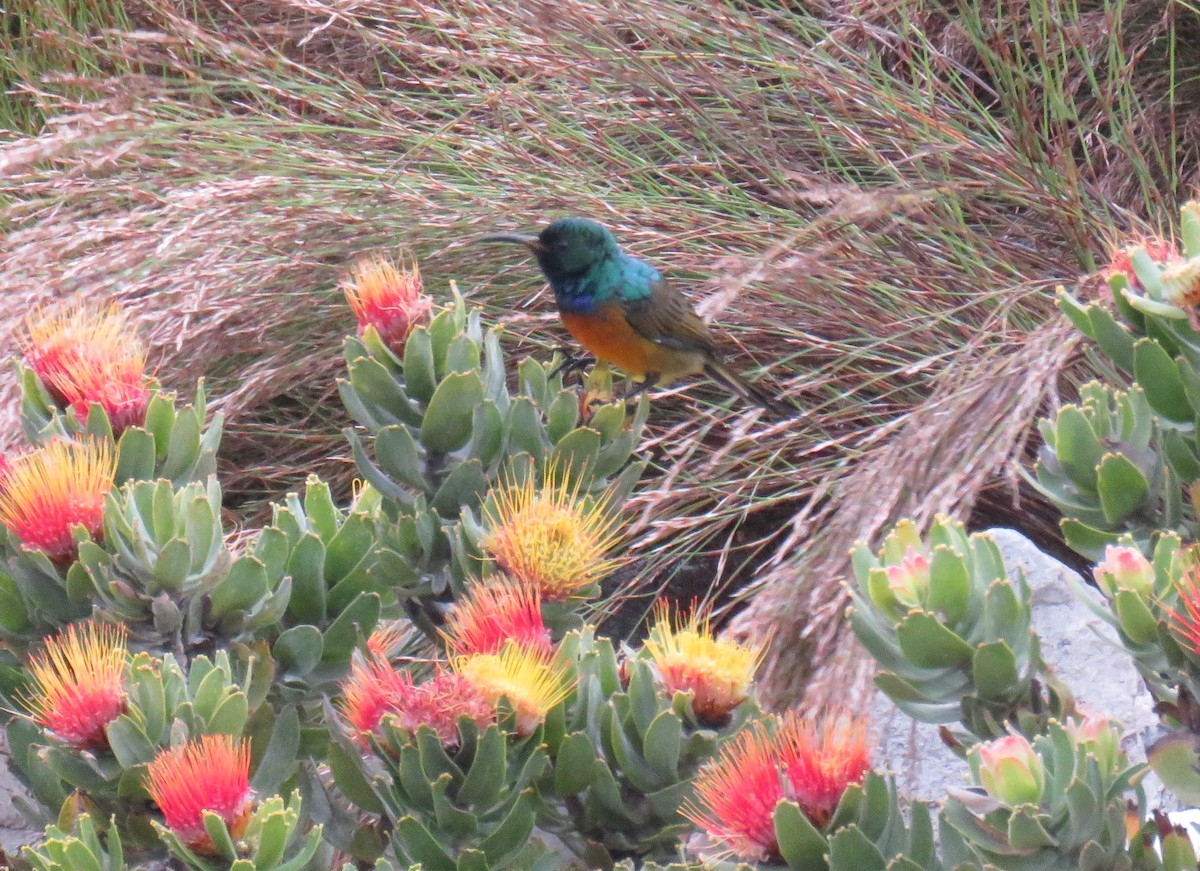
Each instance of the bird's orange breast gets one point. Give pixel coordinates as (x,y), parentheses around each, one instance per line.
(607,334)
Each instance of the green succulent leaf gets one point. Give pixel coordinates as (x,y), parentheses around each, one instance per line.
(574,765)
(994,671)
(1087,540)
(447,423)
(1123,488)
(278,761)
(299,648)
(1076,446)
(357,620)
(927,643)
(1159,377)
(800,844)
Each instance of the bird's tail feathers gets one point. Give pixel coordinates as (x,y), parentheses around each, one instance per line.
(740,387)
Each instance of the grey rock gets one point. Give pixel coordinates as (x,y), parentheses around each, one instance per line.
(1082,650)
(14,829)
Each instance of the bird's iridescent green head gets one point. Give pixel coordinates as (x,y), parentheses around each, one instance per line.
(568,249)
(574,246)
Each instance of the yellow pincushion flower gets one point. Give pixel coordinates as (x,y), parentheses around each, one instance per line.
(550,538)
(688,658)
(531,680)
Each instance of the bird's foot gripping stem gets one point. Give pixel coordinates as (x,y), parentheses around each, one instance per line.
(647,383)
(571,362)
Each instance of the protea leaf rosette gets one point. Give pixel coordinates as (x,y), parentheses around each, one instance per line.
(80,845)
(1102,467)
(158,704)
(320,561)
(626,747)
(441,412)
(1058,801)
(1154,607)
(456,787)
(1128,473)
(209,810)
(165,570)
(951,631)
(441,430)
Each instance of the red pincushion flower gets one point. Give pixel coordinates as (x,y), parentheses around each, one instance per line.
(50,490)
(377,690)
(371,691)
(441,701)
(79,683)
(494,613)
(820,762)
(212,774)
(736,796)
(795,761)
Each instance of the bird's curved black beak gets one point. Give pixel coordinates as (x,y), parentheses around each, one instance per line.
(530,242)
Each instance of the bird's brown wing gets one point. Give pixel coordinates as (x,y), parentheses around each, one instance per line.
(667,318)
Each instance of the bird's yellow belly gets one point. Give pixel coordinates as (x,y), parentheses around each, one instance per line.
(607,334)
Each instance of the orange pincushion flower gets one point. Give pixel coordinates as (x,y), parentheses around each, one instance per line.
(54,488)
(548,537)
(212,774)
(1186,623)
(819,763)
(387,298)
(494,613)
(1160,251)
(736,797)
(688,658)
(531,681)
(78,683)
(86,355)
